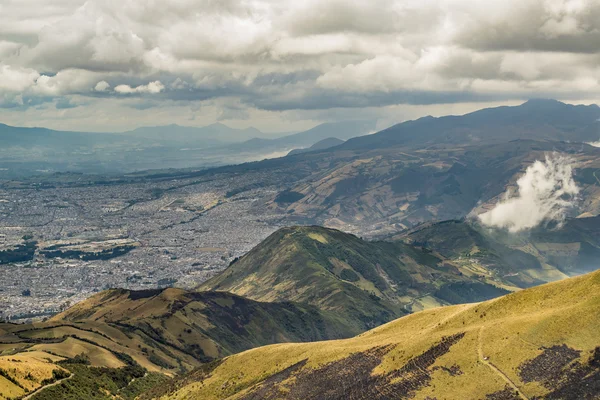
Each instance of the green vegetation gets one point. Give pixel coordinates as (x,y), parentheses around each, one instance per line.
(21,253)
(349,275)
(105,254)
(462,292)
(288,197)
(143,385)
(91,383)
(522,260)
(364,283)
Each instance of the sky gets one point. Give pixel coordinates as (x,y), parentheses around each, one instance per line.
(286,65)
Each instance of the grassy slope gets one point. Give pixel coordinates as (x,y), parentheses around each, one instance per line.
(171,331)
(23,373)
(368,282)
(528,339)
(206,325)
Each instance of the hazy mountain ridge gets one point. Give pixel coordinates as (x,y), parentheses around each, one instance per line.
(154,147)
(321,145)
(341,130)
(210,135)
(538,119)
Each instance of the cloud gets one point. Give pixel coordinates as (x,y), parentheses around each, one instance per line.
(14,79)
(546,192)
(102,86)
(311,55)
(152,88)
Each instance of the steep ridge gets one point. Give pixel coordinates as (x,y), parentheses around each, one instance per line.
(368,283)
(537,343)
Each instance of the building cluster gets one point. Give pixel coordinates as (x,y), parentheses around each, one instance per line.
(182,231)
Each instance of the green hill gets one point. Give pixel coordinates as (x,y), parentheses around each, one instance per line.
(540,343)
(367,283)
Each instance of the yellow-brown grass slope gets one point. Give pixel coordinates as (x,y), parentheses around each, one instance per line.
(169,331)
(26,372)
(541,342)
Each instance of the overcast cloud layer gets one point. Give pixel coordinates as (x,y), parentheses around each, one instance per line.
(75,63)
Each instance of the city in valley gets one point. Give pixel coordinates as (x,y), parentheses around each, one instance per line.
(299,200)
(76,240)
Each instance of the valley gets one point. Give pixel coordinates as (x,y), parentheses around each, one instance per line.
(355,259)
(300,200)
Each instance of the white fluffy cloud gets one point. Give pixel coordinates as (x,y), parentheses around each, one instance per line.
(286,55)
(152,87)
(102,86)
(16,79)
(546,192)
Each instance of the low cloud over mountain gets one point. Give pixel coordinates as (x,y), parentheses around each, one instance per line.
(545,193)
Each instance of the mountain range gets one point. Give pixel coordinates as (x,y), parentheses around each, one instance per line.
(29,151)
(434,305)
(302,284)
(537,119)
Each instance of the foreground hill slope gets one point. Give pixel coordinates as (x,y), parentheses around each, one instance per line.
(169,330)
(538,343)
(367,283)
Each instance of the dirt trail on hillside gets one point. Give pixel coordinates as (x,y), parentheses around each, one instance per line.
(30,395)
(483,359)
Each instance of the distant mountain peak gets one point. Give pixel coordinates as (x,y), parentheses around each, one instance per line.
(539,102)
